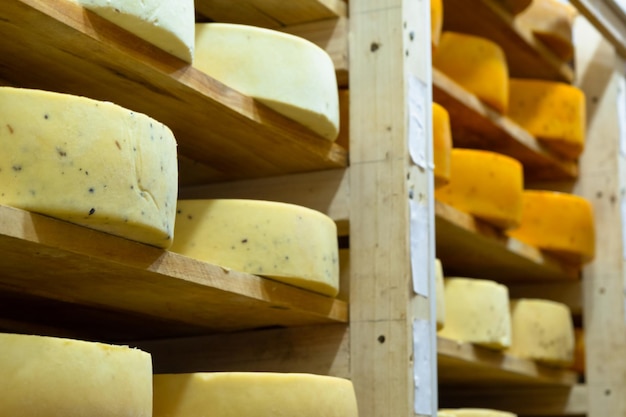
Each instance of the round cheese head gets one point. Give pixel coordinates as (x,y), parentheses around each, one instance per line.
(442,144)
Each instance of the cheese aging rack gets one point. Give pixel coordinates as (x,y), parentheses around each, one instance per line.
(64,280)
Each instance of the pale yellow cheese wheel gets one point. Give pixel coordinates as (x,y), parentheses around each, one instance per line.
(477,412)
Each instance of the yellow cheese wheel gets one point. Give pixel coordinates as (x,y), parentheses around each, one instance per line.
(262,394)
(49,376)
(436,22)
(442,144)
(476,412)
(288,243)
(542,331)
(559,223)
(88,162)
(552,111)
(440,295)
(477,311)
(477,64)
(485,184)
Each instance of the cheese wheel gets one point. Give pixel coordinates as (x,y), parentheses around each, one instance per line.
(288,243)
(48,376)
(559,223)
(442,144)
(542,331)
(476,64)
(477,412)
(291,75)
(440,295)
(88,162)
(233,394)
(551,21)
(553,112)
(477,311)
(436,22)
(441,413)
(167,24)
(485,184)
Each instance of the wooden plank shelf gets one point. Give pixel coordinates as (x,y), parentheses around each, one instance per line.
(59,46)
(526,56)
(470,247)
(57,262)
(475,125)
(466,364)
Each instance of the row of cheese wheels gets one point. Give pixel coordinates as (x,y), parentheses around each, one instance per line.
(48,376)
(553,112)
(479,311)
(287,73)
(490,186)
(105,167)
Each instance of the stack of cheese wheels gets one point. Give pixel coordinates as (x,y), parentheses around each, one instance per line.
(477,311)
(475,412)
(288,243)
(47,376)
(436,22)
(485,184)
(440,295)
(553,112)
(168,24)
(542,331)
(88,162)
(477,64)
(559,223)
(293,76)
(228,394)
(442,144)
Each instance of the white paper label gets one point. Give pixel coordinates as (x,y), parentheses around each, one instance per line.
(422,375)
(420,253)
(418,128)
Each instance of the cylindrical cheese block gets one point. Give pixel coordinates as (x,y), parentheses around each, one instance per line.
(436,22)
(440,295)
(233,394)
(554,112)
(88,162)
(168,24)
(288,243)
(542,331)
(442,144)
(442,413)
(477,64)
(485,184)
(477,311)
(293,76)
(477,412)
(48,376)
(557,222)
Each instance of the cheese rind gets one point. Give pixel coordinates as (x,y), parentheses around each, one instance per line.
(485,184)
(542,331)
(291,75)
(168,24)
(288,243)
(477,64)
(559,223)
(88,162)
(262,394)
(440,295)
(553,112)
(48,376)
(477,311)
(477,412)
(442,144)
(436,22)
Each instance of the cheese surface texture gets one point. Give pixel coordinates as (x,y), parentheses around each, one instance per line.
(485,184)
(436,22)
(288,243)
(553,112)
(477,64)
(48,376)
(442,144)
(88,162)
(235,394)
(557,222)
(440,294)
(167,24)
(477,412)
(542,331)
(287,73)
(477,311)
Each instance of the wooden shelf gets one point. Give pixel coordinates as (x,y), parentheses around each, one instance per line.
(470,247)
(466,364)
(526,56)
(48,260)
(59,46)
(475,125)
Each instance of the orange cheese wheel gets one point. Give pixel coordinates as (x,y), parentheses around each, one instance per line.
(436,22)
(560,223)
(553,112)
(485,184)
(477,64)
(442,144)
